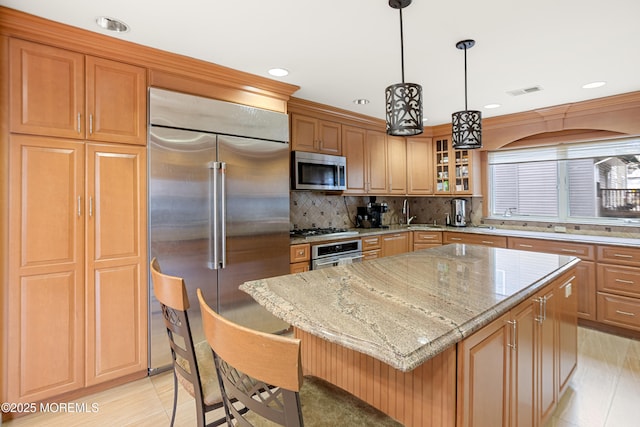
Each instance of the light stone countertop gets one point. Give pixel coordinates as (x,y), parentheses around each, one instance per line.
(564,237)
(407,308)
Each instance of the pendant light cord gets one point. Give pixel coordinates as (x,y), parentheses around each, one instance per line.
(401,46)
(465,78)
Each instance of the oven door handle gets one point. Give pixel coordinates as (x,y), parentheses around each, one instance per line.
(337,260)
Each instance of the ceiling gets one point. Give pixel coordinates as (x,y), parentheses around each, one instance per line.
(341,50)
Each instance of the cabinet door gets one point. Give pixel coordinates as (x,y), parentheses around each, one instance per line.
(376,162)
(394,244)
(523,365)
(586,289)
(329,135)
(116,102)
(46,90)
(483,376)
(116,294)
(567,329)
(353,148)
(303,133)
(547,364)
(397,166)
(442,165)
(419,166)
(45,288)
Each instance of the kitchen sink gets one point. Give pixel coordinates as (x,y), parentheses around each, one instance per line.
(425,227)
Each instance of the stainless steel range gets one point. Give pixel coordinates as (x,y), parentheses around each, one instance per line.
(336,253)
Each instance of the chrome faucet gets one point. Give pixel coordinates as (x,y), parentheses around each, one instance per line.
(405,211)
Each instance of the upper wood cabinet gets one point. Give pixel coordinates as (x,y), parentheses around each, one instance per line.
(353,148)
(397,164)
(315,135)
(454,169)
(61,93)
(419,166)
(366,153)
(376,166)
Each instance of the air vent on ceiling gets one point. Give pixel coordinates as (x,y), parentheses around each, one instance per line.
(524,91)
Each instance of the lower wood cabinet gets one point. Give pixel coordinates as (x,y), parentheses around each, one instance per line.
(395,243)
(512,371)
(371,247)
(586,270)
(299,258)
(426,239)
(77,290)
(618,299)
(474,239)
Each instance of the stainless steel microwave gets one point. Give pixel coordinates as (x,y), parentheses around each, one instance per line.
(314,171)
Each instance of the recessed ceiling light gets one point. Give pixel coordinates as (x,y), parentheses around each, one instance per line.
(490,106)
(112,24)
(593,85)
(361,101)
(278,72)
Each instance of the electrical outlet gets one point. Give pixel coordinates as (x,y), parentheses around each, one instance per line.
(560,229)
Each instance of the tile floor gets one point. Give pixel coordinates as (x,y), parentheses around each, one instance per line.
(604,392)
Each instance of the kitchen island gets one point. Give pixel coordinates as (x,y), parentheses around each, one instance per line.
(388,330)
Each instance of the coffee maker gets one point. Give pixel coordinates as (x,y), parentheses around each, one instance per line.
(458,212)
(371,216)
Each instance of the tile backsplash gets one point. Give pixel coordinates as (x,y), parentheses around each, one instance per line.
(313,209)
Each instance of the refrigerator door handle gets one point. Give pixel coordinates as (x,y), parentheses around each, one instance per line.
(213,257)
(223,208)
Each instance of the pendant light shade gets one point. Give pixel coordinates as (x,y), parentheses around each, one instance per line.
(403,100)
(467,124)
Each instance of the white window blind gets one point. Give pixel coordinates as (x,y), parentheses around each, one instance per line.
(582,188)
(525,189)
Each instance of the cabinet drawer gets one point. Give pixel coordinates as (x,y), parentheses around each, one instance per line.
(298,267)
(619,311)
(619,279)
(619,255)
(475,239)
(582,251)
(371,242)
(420,237)
(298,253)
(368,255)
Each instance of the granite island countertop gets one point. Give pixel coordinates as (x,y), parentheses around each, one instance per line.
(407,308)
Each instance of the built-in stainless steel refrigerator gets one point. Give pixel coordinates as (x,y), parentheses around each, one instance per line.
(218,206)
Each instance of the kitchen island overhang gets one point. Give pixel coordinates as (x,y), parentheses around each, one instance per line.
(405,309)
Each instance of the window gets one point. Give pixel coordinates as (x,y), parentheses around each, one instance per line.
(569,182)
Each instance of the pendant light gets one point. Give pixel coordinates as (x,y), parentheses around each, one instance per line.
(467,124)
(403,100)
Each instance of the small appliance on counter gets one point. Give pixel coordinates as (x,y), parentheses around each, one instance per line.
(458,212)
(370,216)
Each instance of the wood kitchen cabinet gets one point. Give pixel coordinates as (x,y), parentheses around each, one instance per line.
(397,165)
(419,166)
(77,267)
(366,153)
(315,135)
(299,257)
(371,247)
(510,371)
(116,269)
(453,172)
(585,271)
(618,297)
(61,93)
(395,243)
(426,239)
(354,149)
(474,239)
(45,291)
